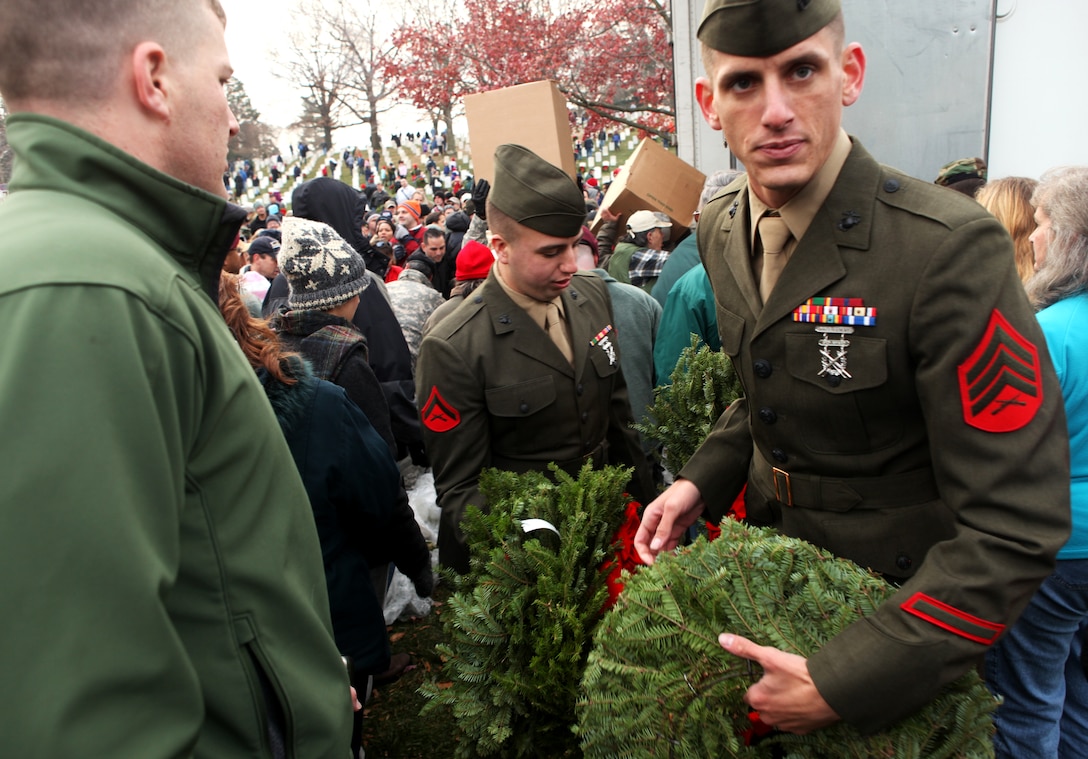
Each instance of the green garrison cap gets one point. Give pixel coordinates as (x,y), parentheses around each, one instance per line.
(762,28)
(535,193)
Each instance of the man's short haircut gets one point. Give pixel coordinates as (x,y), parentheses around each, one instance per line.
(433,231)
(501,224)
(72,52)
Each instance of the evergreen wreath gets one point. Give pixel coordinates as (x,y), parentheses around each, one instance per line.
(521,621)
(701,387)
(658,684)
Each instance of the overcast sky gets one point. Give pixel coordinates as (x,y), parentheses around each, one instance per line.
(256,37)
(254,32)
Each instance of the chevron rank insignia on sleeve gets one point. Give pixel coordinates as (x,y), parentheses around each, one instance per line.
(438,415)
(1001,384)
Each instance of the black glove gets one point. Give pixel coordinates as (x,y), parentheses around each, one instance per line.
(423,582)
(479,197)
(419,454)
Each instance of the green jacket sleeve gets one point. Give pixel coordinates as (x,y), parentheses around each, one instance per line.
(98,425)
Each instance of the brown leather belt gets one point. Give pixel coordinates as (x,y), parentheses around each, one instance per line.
(842,493)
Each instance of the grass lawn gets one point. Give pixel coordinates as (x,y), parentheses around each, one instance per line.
(392,726)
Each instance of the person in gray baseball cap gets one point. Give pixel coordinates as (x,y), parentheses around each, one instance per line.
(526,370)
(873,320)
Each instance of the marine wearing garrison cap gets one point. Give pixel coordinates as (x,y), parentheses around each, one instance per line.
(526,370)
(762,28)
(884,417)
(535,193)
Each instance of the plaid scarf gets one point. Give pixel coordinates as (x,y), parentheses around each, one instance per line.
(646,264)
(324,339)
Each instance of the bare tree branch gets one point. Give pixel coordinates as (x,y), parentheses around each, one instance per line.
(362,92)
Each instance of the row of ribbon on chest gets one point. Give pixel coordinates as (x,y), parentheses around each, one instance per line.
(836,318)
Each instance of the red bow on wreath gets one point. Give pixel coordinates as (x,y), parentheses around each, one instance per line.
(627,557)
(758,730)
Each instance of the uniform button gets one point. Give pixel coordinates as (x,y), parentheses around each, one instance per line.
(834,380)
(762,368)
(585,416)
(479,299)
(504,319)
(779,455)
(524,407)
(904,562)
(892,185)
(767,416)
(579,389)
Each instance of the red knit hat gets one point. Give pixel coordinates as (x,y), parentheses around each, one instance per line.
(413,207)
(590,239)
(473,261)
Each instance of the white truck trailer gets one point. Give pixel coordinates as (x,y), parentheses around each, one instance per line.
(946,79)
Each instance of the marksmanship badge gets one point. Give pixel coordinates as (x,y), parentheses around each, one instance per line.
(836,318)
(833,347)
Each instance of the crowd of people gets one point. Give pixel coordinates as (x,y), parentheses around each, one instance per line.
(230,397)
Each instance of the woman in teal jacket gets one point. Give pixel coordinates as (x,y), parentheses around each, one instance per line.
(1038,667)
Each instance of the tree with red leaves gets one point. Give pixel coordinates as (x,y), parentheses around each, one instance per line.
(426,66)
(613,62)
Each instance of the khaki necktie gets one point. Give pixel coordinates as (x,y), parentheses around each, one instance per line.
(773,233)
(557,331)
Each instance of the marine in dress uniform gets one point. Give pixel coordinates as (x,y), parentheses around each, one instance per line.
(496,390)
(899,404)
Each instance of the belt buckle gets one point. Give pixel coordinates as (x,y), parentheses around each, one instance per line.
(782,476)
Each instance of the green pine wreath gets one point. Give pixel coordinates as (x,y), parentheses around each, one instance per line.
(521,621)
(658,684)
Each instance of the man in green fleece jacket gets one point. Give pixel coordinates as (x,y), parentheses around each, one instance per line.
(163,592)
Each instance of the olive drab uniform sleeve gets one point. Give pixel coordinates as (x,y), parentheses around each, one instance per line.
(901,411)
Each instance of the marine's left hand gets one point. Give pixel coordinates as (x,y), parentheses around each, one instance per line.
(785,696)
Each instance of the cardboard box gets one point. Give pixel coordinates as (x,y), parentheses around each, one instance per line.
(654,179)
(533,115)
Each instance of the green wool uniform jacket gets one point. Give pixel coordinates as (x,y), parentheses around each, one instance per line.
(495,391)
(933,450)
